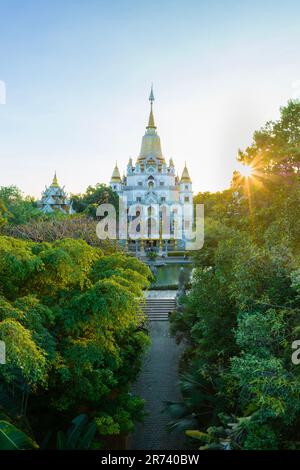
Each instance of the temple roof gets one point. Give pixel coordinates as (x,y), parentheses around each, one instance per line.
(55,198)
(185,177)
(116,177)
(151,146)
(55,182)
(151,123)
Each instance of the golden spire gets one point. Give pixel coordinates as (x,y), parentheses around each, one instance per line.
(116,177)
(55,182)
(151,123)
(185,177)
(151,97)
(151,141)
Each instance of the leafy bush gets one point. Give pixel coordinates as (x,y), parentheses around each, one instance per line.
(69,316)
(242,313)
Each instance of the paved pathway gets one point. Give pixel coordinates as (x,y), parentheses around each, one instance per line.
(157,383)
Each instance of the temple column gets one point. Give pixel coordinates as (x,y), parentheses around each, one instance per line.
(142,252)
(175,234)
(160,249)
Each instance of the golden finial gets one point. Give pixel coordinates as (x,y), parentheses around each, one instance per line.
(116,177)
(54,182)
(151,123)
(185,177)
(151,97)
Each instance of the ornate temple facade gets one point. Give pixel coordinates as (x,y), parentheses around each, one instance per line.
(152,183)
(54,198)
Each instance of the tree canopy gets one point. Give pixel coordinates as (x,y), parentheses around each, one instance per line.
(240,387)
(93,197)
(71,322)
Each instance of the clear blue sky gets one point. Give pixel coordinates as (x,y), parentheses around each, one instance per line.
(78,75)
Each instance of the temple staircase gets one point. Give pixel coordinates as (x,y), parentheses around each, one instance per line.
(158,309)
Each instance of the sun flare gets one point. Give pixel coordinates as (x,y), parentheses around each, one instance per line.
(246,171)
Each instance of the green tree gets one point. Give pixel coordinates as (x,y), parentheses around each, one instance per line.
(71,320)
(93,197)
(242,313)
(15,208)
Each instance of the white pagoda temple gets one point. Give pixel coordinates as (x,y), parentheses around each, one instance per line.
(152,182)
(54,198)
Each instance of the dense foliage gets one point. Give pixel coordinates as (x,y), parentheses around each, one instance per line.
(93,197)
(15,208)
(21,218)
(69,316)
(240,387)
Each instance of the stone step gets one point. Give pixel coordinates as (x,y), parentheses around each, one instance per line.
(165,304)
(159,305)
(158,309)
(157,317)
(162,312)
(158,312)
(167,307)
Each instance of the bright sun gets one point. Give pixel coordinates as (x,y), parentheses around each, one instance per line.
(246,171)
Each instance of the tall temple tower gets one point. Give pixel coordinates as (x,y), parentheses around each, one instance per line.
(54,198)
(152,181)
